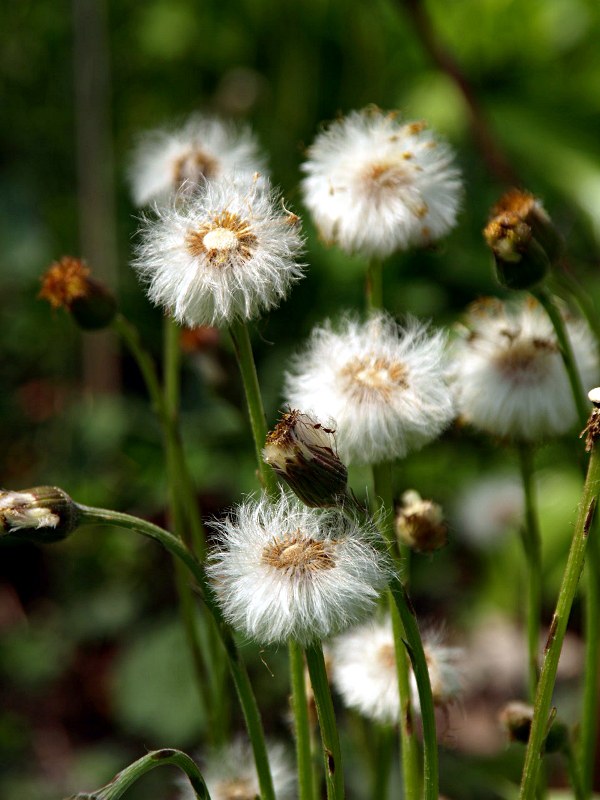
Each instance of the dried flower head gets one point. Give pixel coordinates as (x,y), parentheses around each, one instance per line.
(303,452)
(517,718)
(228,253)
(43,514)
(284,571)
(169,163)
(364,671)
(383,383)
(509,375)
(230,774)
(420,523)
(68,284)
(376,185)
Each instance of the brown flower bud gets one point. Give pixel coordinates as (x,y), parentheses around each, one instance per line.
(420,523)
(67,284)
(43,514)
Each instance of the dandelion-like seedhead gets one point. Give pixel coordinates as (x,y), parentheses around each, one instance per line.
(508,371)
(383,383)
(488,509)
(174,162)
(376,185)
(285,571)
(230,774)
(364,671)
(228,253)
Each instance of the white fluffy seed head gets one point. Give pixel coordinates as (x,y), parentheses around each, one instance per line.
(229,252)
(509,375)
(384,384)
(376,185)
(167,162)
(230,774)
(285,571)
(364,671)
(488,509)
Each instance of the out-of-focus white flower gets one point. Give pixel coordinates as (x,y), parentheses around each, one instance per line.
(509,375)
(170,162)
(420,523)
(364,671)
(488,509)
(229,252)
(375,185)
(383,384)
(285,571)
(230,774)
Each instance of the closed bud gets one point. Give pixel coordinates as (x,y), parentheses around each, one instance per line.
(517,717)
(420,523)
(302,452)
(68,284)
(44,514)
(523,239)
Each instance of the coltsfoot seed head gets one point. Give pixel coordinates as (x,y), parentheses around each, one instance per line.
(229,252)
(376,185)
(285,571)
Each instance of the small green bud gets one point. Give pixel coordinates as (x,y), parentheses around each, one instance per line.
(67,284)
(44,514)
(302,452)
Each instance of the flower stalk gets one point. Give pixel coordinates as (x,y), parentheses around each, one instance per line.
(301,722)
(575,562)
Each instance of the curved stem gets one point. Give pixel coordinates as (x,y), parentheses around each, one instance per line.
(301,722)
(158,758)
(236,666)
(558,627)
(532,546)
(566,351)
(243,351)
(332,755)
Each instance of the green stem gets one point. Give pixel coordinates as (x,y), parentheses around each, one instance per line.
(157,758)
(381,773)
(566,351)
(558,627)
(92,516)
(589,721)
(374,284)
(573,770)
(301,722)
(131,337)
(384,509)
(332,754)
(243,351)
(532,546)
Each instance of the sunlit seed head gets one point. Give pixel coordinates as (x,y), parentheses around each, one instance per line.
(227,237)
(373,376)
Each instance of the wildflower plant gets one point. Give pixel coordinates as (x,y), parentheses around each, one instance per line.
(320,558)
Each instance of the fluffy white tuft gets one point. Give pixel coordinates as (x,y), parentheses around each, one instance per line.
(228,252)
(166,162)
(363,668)
(285,571)
(230,774)
(384,385)
(375,185)
(20,510)
(488,509)
(509,375)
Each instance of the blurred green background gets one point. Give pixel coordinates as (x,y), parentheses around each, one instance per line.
(93,665)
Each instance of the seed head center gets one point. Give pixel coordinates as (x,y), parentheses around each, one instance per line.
(527,361)
(374,377)
(382,177)
(192,166)
(224,239)
(236,789)
(296,554)
(387,656)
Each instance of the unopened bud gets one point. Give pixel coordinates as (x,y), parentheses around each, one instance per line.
(523,239)
(420,523)
(517,718)
(68,284)
(302,452)
(44,514)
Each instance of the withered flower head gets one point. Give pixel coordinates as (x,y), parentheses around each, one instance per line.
(44,514)
(516,717)
(523,239)
(420,523)
(302,451)
(68,284)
